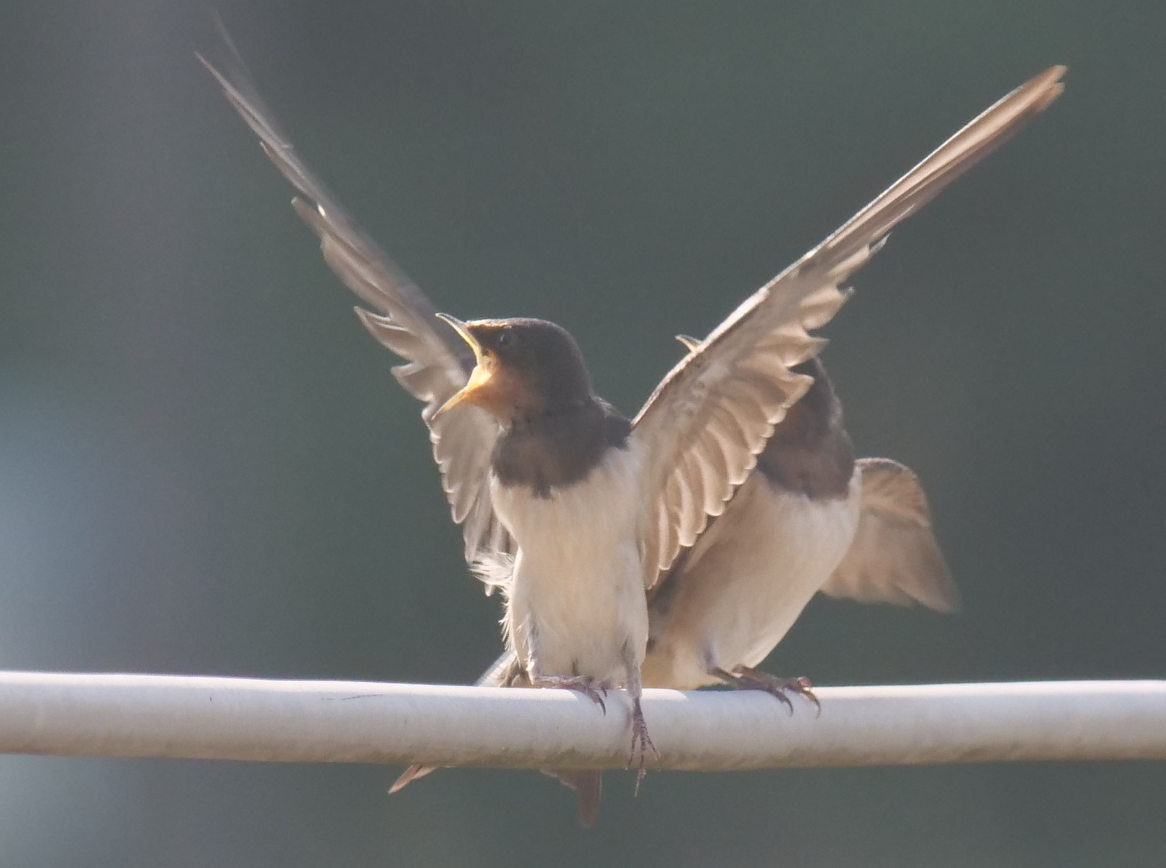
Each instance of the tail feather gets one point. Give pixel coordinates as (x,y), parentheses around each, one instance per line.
(411,774)
(505,672)
(588,784)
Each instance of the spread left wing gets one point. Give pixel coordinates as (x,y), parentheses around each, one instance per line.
(708,419)
(894,557)
(438,362)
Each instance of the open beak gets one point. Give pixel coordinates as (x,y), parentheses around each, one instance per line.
(480,377)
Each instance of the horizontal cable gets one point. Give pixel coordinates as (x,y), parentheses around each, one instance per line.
(327,721)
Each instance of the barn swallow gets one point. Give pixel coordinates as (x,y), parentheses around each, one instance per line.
(809,518)
(575,511)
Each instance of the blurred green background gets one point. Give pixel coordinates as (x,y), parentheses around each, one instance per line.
(205,466)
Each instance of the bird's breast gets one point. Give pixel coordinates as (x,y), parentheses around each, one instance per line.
(747,580)
(577,594)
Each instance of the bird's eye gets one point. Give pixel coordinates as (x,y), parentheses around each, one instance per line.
(505,338)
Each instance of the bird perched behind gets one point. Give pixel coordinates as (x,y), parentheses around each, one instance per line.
(809,518)
(580,509)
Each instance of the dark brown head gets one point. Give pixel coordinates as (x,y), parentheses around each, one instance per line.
(525,367)
(810,452)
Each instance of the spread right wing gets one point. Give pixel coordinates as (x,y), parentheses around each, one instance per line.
(710,417)
(438,362)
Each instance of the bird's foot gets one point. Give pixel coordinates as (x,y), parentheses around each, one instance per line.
(747,678)
(589,687)
(641,744)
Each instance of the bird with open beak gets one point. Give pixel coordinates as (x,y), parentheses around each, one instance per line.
(575,511)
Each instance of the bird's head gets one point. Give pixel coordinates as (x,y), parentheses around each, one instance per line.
(525,367)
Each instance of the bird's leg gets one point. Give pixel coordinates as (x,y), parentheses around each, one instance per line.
(641,741)
(748,678)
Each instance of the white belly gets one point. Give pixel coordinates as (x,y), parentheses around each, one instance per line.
(576,602)
(746,582)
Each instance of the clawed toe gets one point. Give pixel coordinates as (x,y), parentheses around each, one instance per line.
(641,744)
(597,696)
(803,687)
(589,687)
(746,678)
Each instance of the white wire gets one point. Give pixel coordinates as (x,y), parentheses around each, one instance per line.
(320,721)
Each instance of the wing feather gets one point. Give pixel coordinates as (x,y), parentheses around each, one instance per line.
(437,361)
(713,387)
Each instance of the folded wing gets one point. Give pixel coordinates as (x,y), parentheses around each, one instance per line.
(708,419)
